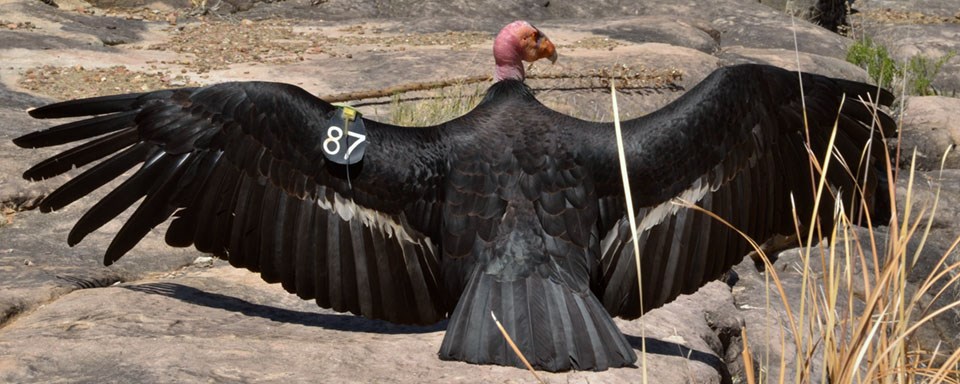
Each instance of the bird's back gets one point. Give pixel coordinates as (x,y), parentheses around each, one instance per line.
(520,242)
(518,203)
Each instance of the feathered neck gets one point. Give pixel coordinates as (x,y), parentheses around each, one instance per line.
(508,89)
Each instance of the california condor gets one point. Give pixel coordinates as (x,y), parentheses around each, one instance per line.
(513,208)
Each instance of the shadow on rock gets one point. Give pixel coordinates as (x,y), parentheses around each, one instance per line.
(349,323)
(669,348)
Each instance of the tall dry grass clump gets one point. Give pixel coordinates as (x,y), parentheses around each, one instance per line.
(435,107)
(860,313)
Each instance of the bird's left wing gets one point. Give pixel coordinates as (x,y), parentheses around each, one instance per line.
(241,167)
(736,145)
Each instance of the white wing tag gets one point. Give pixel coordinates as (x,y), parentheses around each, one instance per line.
(346,137)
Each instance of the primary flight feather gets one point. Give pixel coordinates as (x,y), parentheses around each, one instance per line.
(512,208)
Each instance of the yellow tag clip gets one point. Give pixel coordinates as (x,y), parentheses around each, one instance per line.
(349,113)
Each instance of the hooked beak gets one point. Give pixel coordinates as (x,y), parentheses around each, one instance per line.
(546,49)
(538,46)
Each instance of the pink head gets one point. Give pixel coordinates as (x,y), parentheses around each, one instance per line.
(518,42)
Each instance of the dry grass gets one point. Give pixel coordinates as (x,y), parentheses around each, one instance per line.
(860,314)
(622,159)
(436,106)
(875,345)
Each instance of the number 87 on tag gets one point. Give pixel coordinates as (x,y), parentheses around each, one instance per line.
(346,138)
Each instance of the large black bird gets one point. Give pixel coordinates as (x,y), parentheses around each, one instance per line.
(513,208)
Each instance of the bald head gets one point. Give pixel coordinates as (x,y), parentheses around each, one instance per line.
(520,41)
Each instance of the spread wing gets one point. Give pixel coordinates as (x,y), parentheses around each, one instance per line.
(737,146)
(240,168)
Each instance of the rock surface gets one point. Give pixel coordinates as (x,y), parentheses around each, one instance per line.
(930,126)
(925,28)
(830,14)
(160,315)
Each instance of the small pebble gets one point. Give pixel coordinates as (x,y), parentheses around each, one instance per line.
(203,260)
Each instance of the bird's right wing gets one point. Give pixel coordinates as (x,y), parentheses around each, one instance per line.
(241,167)
(740,145)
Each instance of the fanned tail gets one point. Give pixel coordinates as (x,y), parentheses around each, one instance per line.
(554,327)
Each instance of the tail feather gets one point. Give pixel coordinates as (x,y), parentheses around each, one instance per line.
(554,327)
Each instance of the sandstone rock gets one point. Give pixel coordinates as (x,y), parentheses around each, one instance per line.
(739,23)
(809,62)
(930,126)
(79,30)
(924,28)
(933,42)
(138,3)
(225,324)
(924,192)
(762,27)
(767,322)
(15,191)
(945,8)
(690,33)
(36,266)
(944,231)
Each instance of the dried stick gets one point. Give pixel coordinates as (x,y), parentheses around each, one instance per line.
(666,78)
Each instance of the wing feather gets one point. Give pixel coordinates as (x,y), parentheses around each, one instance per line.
(305,261)
(117,200)
(154,209)
(99,175)
(82,155)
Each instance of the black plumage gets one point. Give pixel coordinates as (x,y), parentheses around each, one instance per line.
(512,208)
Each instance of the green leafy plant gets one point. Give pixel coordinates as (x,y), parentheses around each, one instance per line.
(922,70)
(918,72)
(875,59)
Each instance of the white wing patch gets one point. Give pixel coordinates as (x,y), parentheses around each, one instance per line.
(657,214)
(694,194)
(347,210)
